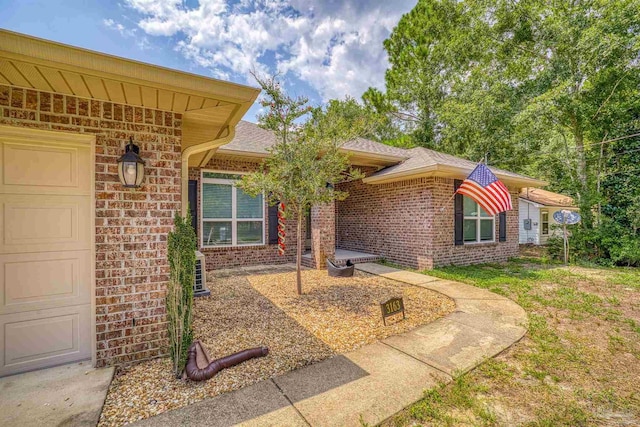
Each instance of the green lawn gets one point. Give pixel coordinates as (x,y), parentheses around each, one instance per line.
(578,365)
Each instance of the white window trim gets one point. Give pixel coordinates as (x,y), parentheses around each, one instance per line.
(478,219)
(234,220)
(542,233)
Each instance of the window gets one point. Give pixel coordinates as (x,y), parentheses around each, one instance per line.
(544,221)
(479,226)
(230,217)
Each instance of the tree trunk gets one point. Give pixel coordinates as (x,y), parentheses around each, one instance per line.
(299,255)
(598,183)
(585,197)
(582,162)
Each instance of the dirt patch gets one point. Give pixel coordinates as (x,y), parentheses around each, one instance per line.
(258,306)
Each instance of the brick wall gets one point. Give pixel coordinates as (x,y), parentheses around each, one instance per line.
(389,220)
(218,258)
(131,225)
(403,222)
(323,234)
(444,252)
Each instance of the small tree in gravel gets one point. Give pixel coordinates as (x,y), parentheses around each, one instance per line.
(305,162)
(179,302)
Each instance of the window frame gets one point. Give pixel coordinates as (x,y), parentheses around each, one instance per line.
(542,222)
(479,218)
(234,220)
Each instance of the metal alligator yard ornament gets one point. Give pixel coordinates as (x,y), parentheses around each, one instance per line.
(566,217)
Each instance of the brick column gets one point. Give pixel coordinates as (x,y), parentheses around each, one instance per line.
(323,233)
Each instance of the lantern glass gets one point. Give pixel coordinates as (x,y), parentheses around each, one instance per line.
(131,167)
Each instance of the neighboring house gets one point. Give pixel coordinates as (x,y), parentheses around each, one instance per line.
(83,261)
(402,211)
(537,207)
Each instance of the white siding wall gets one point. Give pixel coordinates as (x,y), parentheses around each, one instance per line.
(555,229)
(529,210)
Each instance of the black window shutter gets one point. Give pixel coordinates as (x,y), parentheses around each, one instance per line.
(273,224)
(502,227)
(193,203)
(458,215)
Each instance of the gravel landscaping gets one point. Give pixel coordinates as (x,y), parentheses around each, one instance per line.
(249,307)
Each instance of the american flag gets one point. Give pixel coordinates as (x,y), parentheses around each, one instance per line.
(483,187)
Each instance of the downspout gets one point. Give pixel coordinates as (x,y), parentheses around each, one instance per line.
(195,149)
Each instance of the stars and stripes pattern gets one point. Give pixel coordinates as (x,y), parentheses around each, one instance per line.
(487,190)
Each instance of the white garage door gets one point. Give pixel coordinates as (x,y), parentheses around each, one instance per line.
(46,253)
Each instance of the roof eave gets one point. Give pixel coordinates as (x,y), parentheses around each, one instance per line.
(450,172)
(547,205)
(241,153)
(375,158)
(381,156)
(71,58)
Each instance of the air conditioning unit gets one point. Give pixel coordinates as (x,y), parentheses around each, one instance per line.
(200,285)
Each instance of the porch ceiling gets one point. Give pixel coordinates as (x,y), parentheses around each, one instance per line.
(210,107)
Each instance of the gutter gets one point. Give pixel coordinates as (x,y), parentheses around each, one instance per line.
(195,149)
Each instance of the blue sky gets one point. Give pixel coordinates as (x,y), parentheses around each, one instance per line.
(323,49)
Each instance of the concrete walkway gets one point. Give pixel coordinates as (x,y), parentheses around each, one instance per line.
(374,382)
(67,395)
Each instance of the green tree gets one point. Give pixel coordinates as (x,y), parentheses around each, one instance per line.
(530,80)
(181,247)
(305,162)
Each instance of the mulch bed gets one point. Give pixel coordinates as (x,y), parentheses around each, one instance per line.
(259,306)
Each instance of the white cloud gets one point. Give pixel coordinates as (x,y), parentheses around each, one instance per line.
(334,46)
(141,42)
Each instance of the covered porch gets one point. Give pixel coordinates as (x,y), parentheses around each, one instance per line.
(341,256)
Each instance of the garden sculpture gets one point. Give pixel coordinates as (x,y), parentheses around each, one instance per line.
(281,229)
(340,271)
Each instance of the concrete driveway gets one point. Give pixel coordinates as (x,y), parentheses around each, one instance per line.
(67,395)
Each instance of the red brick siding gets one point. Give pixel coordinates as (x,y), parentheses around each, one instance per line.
(131,225)
(323,234)
(389,220)
(446,253)
(403,222)
(218,258)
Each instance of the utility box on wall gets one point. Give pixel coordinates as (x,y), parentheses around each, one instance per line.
(527,224)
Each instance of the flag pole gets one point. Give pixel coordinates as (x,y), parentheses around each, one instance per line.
(444,205)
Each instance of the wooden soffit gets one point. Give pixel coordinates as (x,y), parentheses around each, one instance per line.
(210,107)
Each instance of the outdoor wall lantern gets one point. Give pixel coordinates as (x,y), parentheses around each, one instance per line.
(131,166)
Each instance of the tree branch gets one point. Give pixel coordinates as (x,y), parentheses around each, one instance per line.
(615,86)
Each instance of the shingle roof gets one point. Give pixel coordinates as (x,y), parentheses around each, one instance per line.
(251,138)
(373,147)
(546,198)
(420,158)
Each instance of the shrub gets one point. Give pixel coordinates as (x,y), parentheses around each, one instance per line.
(179,302)
(607,244)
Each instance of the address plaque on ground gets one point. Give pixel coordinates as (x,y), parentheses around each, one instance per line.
(391,307)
